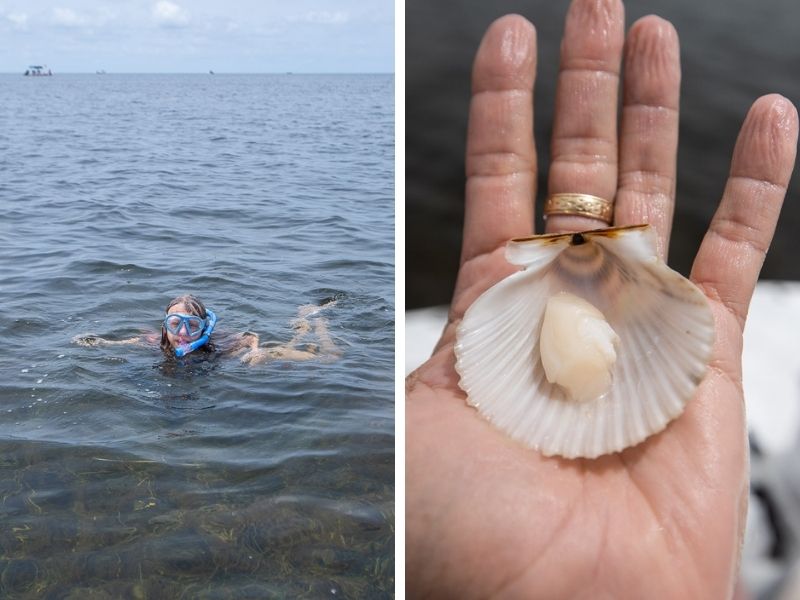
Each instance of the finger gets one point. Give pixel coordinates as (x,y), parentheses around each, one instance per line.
(501,158)
(733,250)
(584,146)
(649,131)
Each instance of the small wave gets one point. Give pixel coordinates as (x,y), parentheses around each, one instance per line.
(104,267)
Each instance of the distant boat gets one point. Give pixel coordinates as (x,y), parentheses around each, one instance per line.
(38,71)
(211,72)
(100,72)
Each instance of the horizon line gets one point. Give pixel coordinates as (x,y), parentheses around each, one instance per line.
(104,72)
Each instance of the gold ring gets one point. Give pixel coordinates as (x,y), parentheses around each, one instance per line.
(584,205)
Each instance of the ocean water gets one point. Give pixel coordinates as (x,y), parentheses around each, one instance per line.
(126,474)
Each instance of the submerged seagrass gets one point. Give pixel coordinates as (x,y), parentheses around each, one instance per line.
(627,342)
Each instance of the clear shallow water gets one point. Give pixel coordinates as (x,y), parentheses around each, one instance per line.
(133,476)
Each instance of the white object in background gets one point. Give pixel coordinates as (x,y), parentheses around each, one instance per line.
(771,365)
(424,327)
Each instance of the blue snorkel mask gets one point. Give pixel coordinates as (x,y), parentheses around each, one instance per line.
(193,325)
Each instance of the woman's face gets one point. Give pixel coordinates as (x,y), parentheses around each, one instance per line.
(182,337)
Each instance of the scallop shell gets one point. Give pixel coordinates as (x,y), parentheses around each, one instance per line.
(665,329)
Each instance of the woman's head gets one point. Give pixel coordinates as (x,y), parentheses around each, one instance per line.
(183,329)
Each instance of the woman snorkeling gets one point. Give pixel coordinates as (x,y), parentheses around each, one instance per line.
(188,326)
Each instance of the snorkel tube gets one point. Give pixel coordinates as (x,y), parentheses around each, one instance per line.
(211,320)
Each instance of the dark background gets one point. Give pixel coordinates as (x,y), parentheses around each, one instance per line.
(731,53)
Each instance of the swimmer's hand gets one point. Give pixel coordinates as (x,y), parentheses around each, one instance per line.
(307,310)
(90,339)
(87,340)
(300,325)
(256,356)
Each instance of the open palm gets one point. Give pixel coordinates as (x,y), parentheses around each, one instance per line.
(486,516)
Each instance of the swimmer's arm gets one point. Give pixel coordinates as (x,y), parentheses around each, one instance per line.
(302,326)
(249,340)
(95,340)
(262,355)
(251,353)
(239,343)
(326,350)
(257,355)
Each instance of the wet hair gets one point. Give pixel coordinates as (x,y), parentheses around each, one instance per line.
(194,307)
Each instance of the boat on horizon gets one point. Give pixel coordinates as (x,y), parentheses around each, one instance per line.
(38,71)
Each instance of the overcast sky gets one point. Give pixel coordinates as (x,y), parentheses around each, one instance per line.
(187,36)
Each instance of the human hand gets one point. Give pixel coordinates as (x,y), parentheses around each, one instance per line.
(255,356)
(90,339)
(87,339)
(486,516)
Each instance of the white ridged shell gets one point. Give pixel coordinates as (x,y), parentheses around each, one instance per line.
(664,323)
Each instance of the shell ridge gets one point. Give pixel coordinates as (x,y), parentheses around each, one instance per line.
(472,351)
(675,366)
(697,328)
(664,396)
(673,397)
(690,293)
(694,367)
(506,366)
(601,429)
(625,374)
(676,373)
(526,375)
(512,395)
(580,424)
(510,285)
(675,343)
(530,426)
(487,319)
(514,296)
(543,441)
(486,334)
(518,415)
(646,401)
(563,440)
(680,379)
(626,371)
(491,358)
(530,430)
(560,438)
